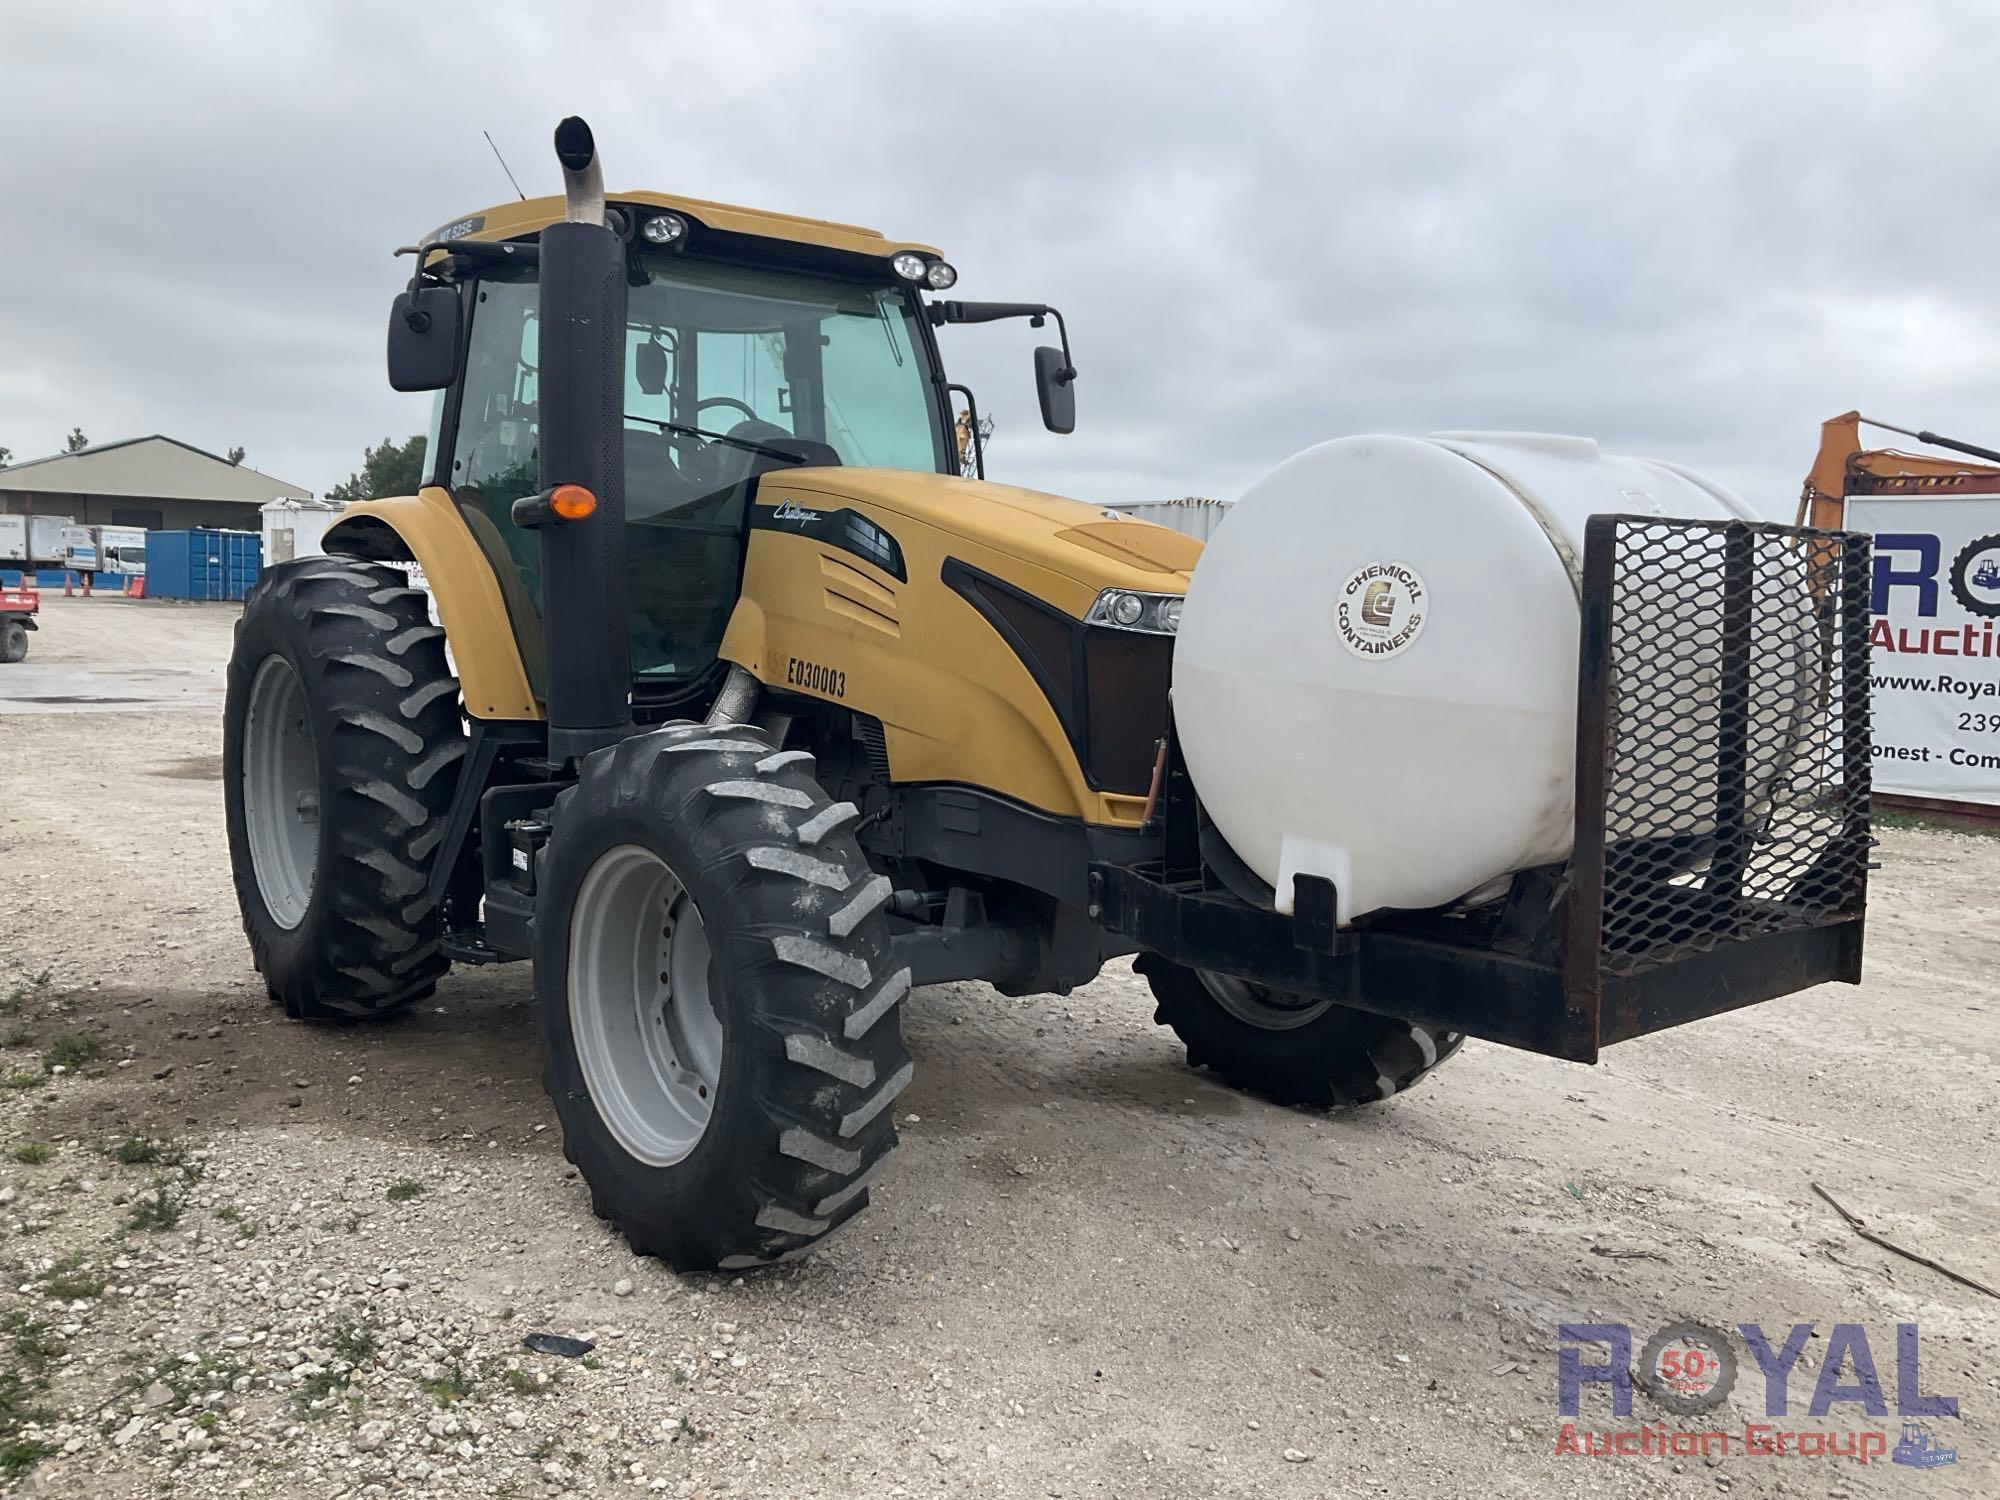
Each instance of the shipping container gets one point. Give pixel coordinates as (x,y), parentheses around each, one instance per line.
(13,539)
(202,564)
(1194,516)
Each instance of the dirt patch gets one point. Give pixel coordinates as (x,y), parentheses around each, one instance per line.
(192,768)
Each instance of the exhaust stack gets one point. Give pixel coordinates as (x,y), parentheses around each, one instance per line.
(585,633)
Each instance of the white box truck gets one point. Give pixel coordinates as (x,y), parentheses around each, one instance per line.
(32,541)
(79,549)
(104,549)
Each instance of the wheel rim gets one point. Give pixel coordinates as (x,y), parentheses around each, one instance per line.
(642,1005)
(281,791)
(1260,1006)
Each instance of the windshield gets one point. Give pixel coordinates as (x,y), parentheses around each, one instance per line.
(730,372)
(752,354)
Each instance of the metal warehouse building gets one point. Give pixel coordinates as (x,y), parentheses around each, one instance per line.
(154,482)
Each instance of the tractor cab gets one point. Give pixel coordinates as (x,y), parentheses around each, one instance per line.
(753,342)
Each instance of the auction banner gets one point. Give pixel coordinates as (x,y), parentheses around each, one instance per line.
(1935,632)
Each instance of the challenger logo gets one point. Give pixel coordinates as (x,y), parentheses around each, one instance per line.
(829,682)
(791,512)
(1381,609)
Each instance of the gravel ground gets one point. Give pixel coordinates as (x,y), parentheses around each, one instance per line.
(241,1256)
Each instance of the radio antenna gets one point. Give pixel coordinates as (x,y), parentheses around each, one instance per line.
(504,167)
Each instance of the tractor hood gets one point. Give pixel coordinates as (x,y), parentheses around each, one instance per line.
(1095,547)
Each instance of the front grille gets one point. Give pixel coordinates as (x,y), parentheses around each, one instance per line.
(1722,771)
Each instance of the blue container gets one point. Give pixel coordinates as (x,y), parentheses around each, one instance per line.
(202,564)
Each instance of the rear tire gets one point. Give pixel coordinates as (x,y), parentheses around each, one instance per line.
(341,747)
(13,642)
(743,1131)
(1288,1049)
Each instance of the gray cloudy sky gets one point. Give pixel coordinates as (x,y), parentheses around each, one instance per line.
(1687,230)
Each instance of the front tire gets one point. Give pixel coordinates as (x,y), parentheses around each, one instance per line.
(13,641)
(341,746)
(718,1006)
(1289,1048)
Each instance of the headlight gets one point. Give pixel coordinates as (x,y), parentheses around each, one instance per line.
(909,265)
(941,276)
(1126,609)
(664,229)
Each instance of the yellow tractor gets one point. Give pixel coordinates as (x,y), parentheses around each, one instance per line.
(741,712)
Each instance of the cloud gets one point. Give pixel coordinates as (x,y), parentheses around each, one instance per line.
(1691,231)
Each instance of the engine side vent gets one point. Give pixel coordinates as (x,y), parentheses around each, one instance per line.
(874,744)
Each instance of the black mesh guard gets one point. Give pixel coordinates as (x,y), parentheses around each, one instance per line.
(1723,753)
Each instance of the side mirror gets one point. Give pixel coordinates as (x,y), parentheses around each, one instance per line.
(424,328)
(649,364)
(1055,388)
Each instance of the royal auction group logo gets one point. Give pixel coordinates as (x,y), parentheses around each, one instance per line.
(1688,1371)
(1975,576)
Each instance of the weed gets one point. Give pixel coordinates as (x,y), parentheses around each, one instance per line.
(21,1455)
(309,1400)
(24,1080)
(69,1281)
(229,1213)
(31,1153)
(591,1362)
(21,1034)
(453,1384)
(17,1402)
(31,991)
(72,1050)
(521,1383)
(138,1151)
(404,1189)
(688,1429)
(158,1210)
(355,1344)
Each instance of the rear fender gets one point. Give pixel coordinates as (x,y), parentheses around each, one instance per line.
(472,601)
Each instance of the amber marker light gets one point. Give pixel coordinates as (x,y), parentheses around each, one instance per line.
(572,502)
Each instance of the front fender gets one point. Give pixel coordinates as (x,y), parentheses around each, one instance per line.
(473,604)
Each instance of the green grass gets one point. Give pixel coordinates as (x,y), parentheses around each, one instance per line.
(21,1455)
(72,1050)
(31,1347)
(70,1281)
(309,1400)
(1925,823)
(451,1385)
(24,1080)
(521,1383)
(138,1151)
(26,992)
(355,1344)
(158,1210)
(404,1189)
(31,1153)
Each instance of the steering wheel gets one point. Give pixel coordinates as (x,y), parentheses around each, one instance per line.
(743,406)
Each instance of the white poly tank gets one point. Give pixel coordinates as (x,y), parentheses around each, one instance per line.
(1375,678)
